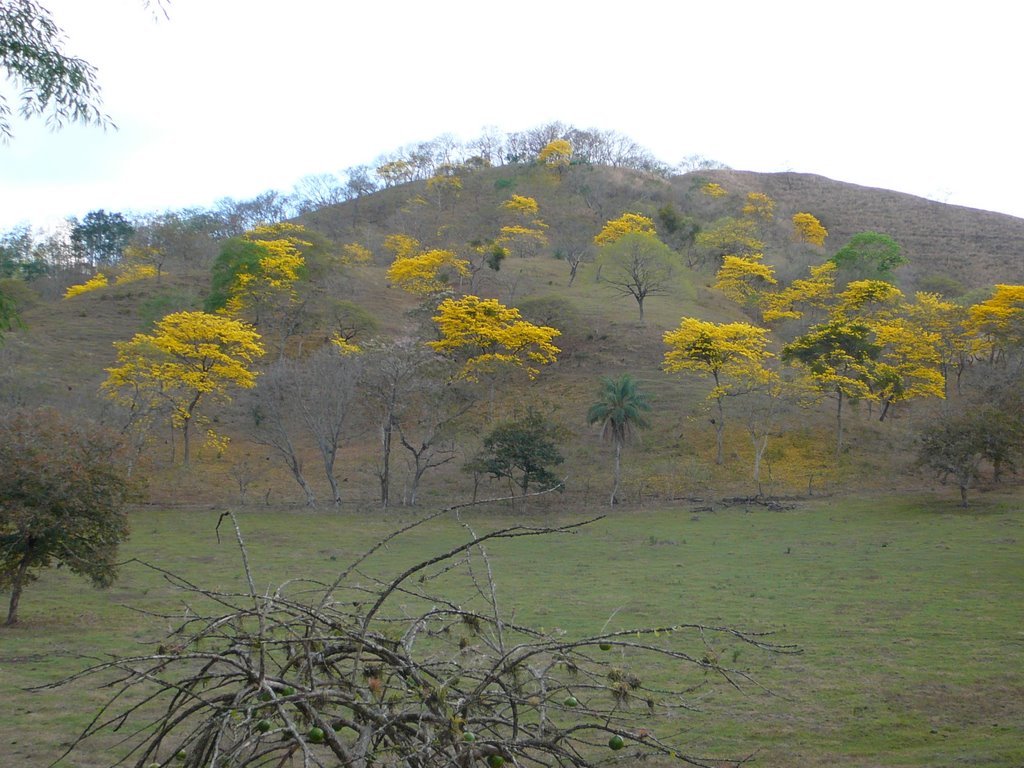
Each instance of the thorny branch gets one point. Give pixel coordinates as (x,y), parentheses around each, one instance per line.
(338,674)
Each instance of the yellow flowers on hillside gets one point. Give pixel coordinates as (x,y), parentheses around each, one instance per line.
(92,284)
(489,336)
(136,272)
(428,272)
(626,224)
(807,229)
(743,277)
(189,357)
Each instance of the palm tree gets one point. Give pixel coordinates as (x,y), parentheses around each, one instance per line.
(619,411)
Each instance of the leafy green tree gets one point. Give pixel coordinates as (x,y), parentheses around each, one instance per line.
(100,238)
(839,357)
(523,451)
(19,257)
(868,256)
(636,264)
(51,82)
(9,317)
(62,496)
(956,446)
(619,410)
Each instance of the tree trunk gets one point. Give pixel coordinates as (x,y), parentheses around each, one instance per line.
(387,429)
(17,584)
(618,473)
(839,425)
(720,431)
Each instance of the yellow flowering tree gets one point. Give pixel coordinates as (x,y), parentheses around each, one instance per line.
(136,272)
(556,155)
(257,272)
(525,235)
(812,294)
(626,224)
(743,278)
(99,280)
(909,363)
(427,273)
(759,206)
(729,237)
(401,246)
(807,229)
(188,360)
(998,322)
(713,189)
(947,319)
(733,355)
(488,336)
(355,253)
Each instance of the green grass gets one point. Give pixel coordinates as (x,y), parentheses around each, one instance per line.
(908,612)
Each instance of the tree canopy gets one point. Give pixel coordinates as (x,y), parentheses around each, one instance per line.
(62,496)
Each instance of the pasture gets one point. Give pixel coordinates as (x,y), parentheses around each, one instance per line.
(908,610)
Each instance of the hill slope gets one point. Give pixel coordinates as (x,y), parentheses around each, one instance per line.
(976,248)
(60,356)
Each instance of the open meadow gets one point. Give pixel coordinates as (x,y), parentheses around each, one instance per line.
(907,609)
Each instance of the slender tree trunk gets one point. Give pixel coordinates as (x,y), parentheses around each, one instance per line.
(618,473)
(186,455)
(720,431)
(387,428)
(17,584)
(839,424)
(296,467)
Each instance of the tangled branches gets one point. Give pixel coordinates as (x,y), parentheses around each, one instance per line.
(422,671)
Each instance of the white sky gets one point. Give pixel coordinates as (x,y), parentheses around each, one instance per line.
(234,97)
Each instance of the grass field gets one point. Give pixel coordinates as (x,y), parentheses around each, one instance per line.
(908,611)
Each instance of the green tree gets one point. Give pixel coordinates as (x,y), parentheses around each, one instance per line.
(619,410)
(636,264)
(51,83)
(839,357)
(523,451)
(100,238)
(62,496)
(868,256)
(955,446)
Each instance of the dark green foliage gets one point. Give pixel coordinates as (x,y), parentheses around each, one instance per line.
(8,313)
(62,493)
(49,81)
(619,410)
(869,256)
(18,257)
(677,230)
(954,447)
(101,237)
(523,451)
(237,256)
(837,345)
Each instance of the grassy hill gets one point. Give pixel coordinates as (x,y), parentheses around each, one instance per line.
(60,356)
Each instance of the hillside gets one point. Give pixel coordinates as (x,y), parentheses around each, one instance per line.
(976,248)
(60,355)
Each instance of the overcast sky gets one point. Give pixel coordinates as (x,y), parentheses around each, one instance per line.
(234,97)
